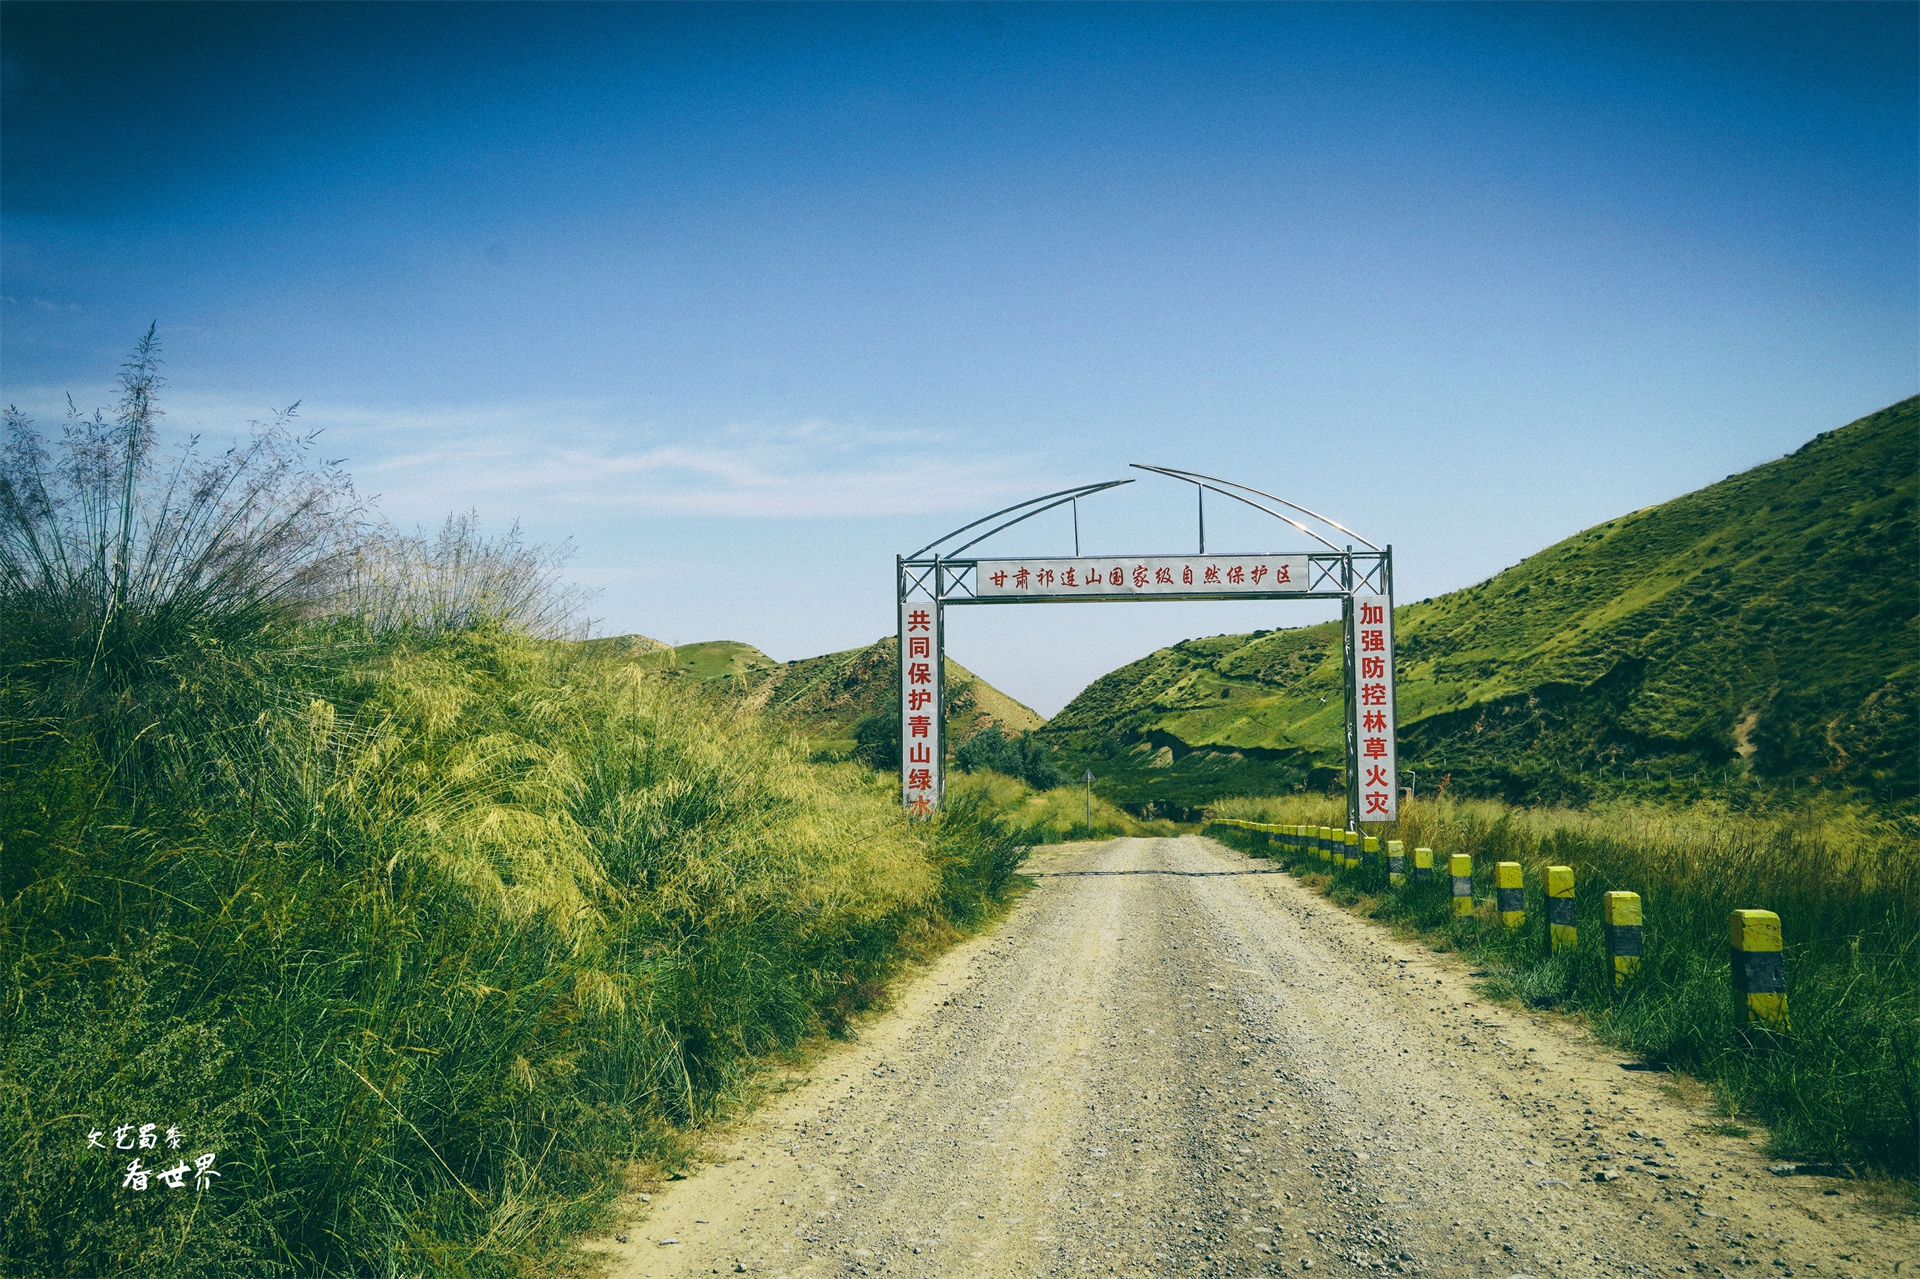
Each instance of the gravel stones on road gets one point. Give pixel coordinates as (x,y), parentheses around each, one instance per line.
(1172,1059)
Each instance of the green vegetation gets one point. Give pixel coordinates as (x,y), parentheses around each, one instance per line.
(727,660)
(1842,1087)
(422,924)
(1751,642)
(828,697)
(1023,757)
(1030,817)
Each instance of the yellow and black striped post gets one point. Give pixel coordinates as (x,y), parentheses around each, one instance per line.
(1369,849)
(1423,865)
(1326,843)
(1396,863)
(1460,866)
(1625,945)
(1759,969)
(1510,893)
(1350,849)
(1561,932)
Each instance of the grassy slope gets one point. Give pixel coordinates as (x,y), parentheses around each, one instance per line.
(828,695)
(422,952)
(824,696)
(1758,632)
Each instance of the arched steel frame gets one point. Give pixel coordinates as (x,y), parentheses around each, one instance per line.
(930,579)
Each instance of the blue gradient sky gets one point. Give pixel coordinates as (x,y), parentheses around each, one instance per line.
(746,300)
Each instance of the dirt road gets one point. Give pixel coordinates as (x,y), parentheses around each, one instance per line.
(1173,1060)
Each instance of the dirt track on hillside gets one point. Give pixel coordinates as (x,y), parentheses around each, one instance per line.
(1173,1060)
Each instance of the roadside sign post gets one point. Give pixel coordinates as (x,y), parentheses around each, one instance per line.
(930,579)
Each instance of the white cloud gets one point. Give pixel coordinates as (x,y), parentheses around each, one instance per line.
(529,458)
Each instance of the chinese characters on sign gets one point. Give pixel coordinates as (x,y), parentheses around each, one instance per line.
(1160,575)
(1373,706)
(921,745)
(137,1174)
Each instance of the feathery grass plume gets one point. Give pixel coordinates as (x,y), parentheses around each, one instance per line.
(1844,1087)
(144,593)
(460,578)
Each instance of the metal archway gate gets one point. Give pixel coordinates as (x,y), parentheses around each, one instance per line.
(929,580)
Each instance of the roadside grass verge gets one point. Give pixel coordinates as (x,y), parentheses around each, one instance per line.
(317,847)
(1052,816)
(426,954)
(1842,1087)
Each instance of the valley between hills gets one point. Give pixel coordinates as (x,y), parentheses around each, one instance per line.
(1753,641)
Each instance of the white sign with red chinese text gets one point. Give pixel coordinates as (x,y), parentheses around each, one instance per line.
(921,746)
(1160,575)
(1373,706)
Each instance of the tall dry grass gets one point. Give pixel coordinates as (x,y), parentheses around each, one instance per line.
(1843,1086)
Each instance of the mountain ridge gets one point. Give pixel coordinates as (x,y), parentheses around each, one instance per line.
(825,696)
(1757,633)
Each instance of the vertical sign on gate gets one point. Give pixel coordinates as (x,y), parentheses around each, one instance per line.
(922,743)
(1373,706)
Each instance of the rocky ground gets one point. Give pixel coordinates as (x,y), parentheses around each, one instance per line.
(1175,1060)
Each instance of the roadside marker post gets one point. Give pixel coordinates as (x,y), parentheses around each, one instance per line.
(1460,867)
(1369,850)
(1350,850)
(1423,865)
(1562,934)
(1759,970)
(1325,847)
(1396,863)
(1625,943)
(1510,893)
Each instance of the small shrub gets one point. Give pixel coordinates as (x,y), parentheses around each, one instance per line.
(1023,757)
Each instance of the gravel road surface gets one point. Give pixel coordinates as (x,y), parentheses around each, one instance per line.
(1172,1059)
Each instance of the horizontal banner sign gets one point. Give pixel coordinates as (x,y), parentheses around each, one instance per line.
(1161,575)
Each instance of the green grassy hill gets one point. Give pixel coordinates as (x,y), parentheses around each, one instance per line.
(1759,636)
(825,696)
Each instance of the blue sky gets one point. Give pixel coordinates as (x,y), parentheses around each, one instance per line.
(746,300)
